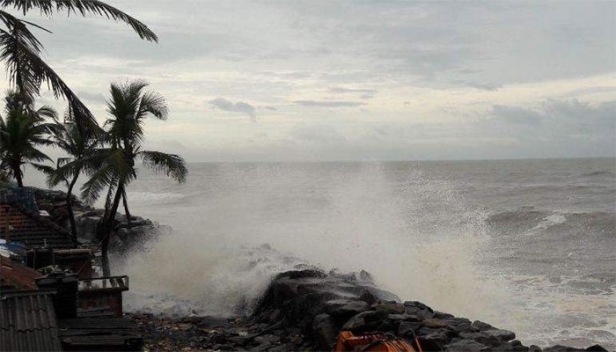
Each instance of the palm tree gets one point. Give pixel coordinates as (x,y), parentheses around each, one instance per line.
(114,167)
(78,146)
(21,50)
(22,131)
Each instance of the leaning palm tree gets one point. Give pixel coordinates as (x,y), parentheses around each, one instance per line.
(21,50)
(77,146)
(22,132)
(113,168)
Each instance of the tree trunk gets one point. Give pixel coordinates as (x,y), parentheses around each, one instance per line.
(18,176)
(108,222)
(125,202)
(69,206)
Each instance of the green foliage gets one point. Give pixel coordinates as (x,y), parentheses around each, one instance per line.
(22,131)
(21,50)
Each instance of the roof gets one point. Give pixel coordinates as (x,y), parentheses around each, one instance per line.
(31,229)
(28,322)
(109,334)
(14,276)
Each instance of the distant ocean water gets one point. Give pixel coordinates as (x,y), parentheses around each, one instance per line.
(526,245)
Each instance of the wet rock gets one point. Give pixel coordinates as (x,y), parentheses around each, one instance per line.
(482,337)
(324,331)
(500,334)
(345,308)
(434,340)
(390,307)
(210,322)
(466,346)
(419,309)
(596,348)
(408,329)
(364,321)
(481,326)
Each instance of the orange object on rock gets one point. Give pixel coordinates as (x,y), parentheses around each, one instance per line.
(371,342)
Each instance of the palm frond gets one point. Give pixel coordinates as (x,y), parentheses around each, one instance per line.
(155,104)
(172,165)
(83,7)
(27,71)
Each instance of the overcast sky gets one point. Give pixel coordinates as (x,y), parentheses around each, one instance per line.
(357,80)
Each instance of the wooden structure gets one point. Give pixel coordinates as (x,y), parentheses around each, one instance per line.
(102,296)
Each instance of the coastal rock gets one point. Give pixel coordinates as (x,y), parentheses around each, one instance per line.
(324,331)
(345,308)
(364,321)
(466,346)
(306,310)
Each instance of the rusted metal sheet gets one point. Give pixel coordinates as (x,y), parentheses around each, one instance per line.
(28,322)
(18,224)
(14,276)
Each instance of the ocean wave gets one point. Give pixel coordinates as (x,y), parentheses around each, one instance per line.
(598,173)
(528,220)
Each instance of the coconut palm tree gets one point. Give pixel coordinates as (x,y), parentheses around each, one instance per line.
(78,146)
(22,131)
(113,168)
(21,50)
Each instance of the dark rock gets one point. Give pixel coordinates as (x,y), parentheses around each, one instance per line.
(501,335)
(434,323)
(324,331)
(533,348)
(390,307)
(441,315)
(402,317)
(482,337)
(434,340)
(419,309)
(596,348)
(465,346)
(210,322)
(364,321)
(408,329)
(301,274)
(345,308)
(482,326)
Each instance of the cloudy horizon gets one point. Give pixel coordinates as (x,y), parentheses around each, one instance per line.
(356,80)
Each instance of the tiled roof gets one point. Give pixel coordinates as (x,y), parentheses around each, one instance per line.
(28,322)
(31,229)
(14,276)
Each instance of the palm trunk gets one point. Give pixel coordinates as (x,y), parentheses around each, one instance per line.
(18,176)
(108,225)
(125,202)
(69,206)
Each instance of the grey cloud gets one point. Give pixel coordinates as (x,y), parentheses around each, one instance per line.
(240,106)
(558,124)
(363,93)
(516,115)
(328,104)
(486,86)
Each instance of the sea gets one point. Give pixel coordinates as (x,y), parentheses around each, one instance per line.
(525,245)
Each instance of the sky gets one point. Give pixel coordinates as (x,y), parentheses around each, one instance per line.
(355,80)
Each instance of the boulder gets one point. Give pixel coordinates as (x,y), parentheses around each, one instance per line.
(324,331)
(466,346)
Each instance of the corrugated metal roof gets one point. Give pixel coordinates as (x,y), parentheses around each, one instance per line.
(28,322)
(14,276)
(31,229)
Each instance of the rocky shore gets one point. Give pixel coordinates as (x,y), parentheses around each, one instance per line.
(301,310)
(305,310)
